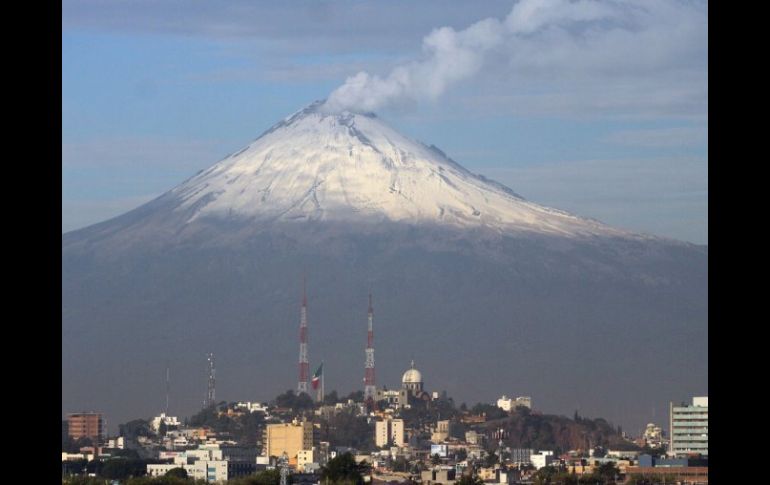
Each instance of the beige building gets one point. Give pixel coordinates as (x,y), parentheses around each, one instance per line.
(440,432)
(389,431)
(446,476)
(289,438)
(306,457)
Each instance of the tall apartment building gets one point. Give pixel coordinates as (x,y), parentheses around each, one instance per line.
(86,425)
(689,427)
(389,431)
(289,438)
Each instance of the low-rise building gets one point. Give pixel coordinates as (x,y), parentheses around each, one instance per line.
(677,474)
(166,420)
(446,476)
(653,435)
(76,456)
(395,398)
(509,404)
(211,471)
(521,456)
(541,459)
(252,407)
(440,432)
(306,457)
(473,438)
(117,443)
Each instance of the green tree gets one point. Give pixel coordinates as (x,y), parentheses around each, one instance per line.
(303,403)
(471,479)
(643,479)
(344,470)
(81,480)
(178,472)
(286,400)
(607,471)
(356,396)
(265,477)
(545,475)
(400,464)
(135,428)
(522,411)
(346,428)
(490,459)
(121,468)
(492,412)
(331,398)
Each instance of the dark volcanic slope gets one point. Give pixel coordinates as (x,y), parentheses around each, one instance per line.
(612,327)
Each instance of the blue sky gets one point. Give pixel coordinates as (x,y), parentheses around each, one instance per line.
(599,108)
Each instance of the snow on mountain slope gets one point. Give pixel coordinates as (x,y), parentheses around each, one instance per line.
(353,167)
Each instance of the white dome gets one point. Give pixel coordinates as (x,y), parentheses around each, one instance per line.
(412,376)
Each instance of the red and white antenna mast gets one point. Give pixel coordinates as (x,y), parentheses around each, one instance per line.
(303,364)
(370,390)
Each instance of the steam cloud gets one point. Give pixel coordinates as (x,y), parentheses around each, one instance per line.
(450,56)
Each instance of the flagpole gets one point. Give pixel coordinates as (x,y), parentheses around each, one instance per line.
(323,379)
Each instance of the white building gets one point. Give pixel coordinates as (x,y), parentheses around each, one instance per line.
(525,401)
(211,471)
(508,404)
(541,459)
(119,443)
(689,427)
(161,469)
(252,407)
(653,435)
(75,456)
(473,438)
(167,420)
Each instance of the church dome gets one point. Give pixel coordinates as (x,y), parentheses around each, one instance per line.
(412,376)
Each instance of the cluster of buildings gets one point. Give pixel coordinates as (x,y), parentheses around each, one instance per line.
(436,453)
(430,453)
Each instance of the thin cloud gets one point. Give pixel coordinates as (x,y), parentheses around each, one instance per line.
(661,137)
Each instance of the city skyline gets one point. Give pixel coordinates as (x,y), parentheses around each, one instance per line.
(590,139)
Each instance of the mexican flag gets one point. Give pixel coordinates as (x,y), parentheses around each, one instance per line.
(317,376)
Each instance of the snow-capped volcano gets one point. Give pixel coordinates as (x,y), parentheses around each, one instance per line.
(489,290)
(353,167)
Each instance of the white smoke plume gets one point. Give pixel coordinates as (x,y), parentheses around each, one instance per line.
(450,56)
